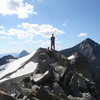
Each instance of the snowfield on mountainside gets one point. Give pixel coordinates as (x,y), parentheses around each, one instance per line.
(17,68)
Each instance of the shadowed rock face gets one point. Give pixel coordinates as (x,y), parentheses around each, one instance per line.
(82,66)
(88,48)
(55,78)
(5,59)
(5,96)
(91,50)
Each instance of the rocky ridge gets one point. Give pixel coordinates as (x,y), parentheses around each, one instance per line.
(91,50)
(55,78)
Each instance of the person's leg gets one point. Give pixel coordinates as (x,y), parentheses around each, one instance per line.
(54,45)
(51,45)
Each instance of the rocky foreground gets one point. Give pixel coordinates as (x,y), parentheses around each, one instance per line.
(55,78)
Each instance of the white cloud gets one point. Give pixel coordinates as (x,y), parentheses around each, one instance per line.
(21,34)
(3,37)
(2,32)
(1,27)
(34,42)
(9,38)
(28,31)
(47,43)
(38,41)
(44,44)
(64,24)
(82,35)
(19,25)
(44,30)
(1,51)
(18,7)
(13,42)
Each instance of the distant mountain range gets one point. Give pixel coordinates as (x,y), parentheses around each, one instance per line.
(6,58)
(16,55)
(13,54)
(91,50)
(23,53)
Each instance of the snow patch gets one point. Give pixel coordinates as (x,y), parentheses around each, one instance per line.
(38,77)
(10,60)
(15,66)
(28,68)
(71,57)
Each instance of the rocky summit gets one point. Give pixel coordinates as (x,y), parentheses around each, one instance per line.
(54,78)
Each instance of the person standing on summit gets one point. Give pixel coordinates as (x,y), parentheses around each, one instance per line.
(52,42)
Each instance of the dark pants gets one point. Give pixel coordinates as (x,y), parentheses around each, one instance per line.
(52,45)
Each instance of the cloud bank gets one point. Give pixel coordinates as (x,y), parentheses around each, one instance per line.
(16,7)
(28,31)
(82,35)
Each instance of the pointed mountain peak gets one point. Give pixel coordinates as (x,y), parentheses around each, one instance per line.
(23,53)
(89,41)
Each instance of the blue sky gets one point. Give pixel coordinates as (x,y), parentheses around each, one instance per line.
(28,24)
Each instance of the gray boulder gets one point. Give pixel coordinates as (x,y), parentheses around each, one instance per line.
(44,94)
(41,78)
(58,91)
(58,71)
(5,96)
(85,96)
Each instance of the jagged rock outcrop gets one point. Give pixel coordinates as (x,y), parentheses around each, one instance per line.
(85,96)
(82,66)
(10,87)
(55,78)
(88,48)
(91,50)
(44,94)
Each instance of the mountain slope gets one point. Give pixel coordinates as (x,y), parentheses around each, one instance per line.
(6,59)
(52,77)
(88,48)
(18,67)
(91,50)
(23,53)
(82,66)
(13,54)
